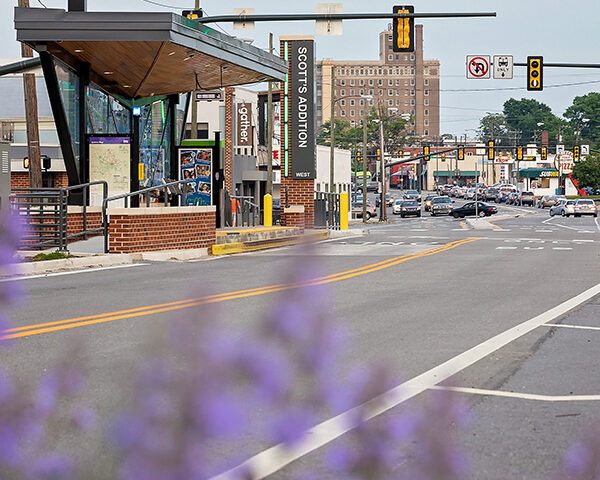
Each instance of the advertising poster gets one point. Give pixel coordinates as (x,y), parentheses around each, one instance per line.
(109,160)
(195,165)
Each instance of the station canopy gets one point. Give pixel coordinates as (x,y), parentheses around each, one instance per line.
(146,54)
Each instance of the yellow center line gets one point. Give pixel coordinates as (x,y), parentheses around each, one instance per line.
(48,327)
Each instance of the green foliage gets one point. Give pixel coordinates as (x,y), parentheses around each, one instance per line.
(523,116)
(346,136)
(586,107)
(49,256)
(494,126)
(587,172)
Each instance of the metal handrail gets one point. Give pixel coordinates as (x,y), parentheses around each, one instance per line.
(243,201)
(171,187)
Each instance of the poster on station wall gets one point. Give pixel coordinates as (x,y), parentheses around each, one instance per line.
(110,158)
(195,165)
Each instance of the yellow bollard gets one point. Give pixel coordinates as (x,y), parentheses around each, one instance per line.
(344,211)
(268,210)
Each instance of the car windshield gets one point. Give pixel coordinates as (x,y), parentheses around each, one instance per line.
(398,202)
(442,200)
(527,193)
(410,204)
(585,202)
(412,192)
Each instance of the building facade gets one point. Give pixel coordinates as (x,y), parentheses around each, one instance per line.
(404,83)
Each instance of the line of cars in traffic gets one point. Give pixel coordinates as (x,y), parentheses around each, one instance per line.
(441,205)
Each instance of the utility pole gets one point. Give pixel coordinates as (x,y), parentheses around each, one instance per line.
(332,133)
(383,216)
(31,118)
(364,169)
(270,129)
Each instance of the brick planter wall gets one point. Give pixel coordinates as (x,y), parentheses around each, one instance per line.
(21,180)
(294,216)
(161,228)
(75,221)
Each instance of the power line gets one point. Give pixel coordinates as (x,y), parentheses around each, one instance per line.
(174,7)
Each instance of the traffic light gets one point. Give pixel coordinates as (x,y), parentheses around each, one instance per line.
(461,153)
(443,157)
(378,154)
(535,73)
(519,153)
(426,151)
(491,153)
(576,153)
(26,163)
(192,14)
(544,153)
(358,156)
(46,162)
(404,30)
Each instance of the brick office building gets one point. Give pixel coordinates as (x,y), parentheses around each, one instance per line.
(405,82)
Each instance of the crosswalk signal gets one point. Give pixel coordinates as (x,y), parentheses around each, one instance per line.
(535,73)
(404,30)
(491,153)
(519,153)
(544,153)
(461,153)
(576,153)
(426,151)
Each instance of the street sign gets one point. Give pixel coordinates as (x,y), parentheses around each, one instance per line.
(560,149)
(503,67)
(478,66)
(242,23)
(329,27)
(585,150)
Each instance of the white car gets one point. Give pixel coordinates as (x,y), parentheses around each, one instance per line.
(564,208)
(470,194)
(397,207)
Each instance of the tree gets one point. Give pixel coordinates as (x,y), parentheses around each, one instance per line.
(523,117)
(346,136)
(587,172)
(585,107)
(394,127)
(493,126)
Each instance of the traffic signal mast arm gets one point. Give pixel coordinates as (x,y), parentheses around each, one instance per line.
(421,157)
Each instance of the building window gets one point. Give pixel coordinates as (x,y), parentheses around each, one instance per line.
(361,102)
(352,82)
(390,57)
(412,82)
(412,102)
(362,71)
(380,82)
(397,57)
(371,81)
(412,93)
(352,92)
(426,82)
(342,82)
(426,92)
(391,103)
(406,103)
(412,56)
(351,113)
(426,102)
(371,91)
(426,133)
(343,102)
(397,82)
(390,83)
(390,38)
(426,71)
(362,92)
(370,71)
(397,103)
(352,104)
(352,72)
(412,112)
(412,71)
(426,122)
(380,71)
(361,82)
(405,58)
(406,83)
(342,92)
(371,102)
(362,113)
(426,112)
(391,93)
(343,112)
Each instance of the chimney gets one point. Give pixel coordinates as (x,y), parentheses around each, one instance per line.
(544,138)
(77,5)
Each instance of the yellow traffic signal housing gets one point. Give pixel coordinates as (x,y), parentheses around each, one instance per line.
(491,153)
(535,73)
(192,14)
(576,153)
(358,155)
(461,153)
(519,153)
(404,30)
(443,157)
(544,153)
(378,154)
(426,151)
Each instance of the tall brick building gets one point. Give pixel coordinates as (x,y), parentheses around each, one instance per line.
(404,82)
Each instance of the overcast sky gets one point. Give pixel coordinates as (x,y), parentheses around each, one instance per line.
(561,31)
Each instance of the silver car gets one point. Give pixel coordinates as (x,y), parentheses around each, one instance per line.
(585,207)
(564,208)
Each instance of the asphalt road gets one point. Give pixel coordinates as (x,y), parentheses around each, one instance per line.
(412,315)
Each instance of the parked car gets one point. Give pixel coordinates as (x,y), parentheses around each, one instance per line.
(412,195)
(558,199)
(527,198)
(512,199)
(357,209)
(490,194)
(441,206)
(454,191)
(585,207)
(428,200)
(546,201)
(410,207)
(502,196)
(470,193)
(565,208)
(445,190)
(469,209)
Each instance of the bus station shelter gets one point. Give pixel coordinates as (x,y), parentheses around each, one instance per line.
(125,78)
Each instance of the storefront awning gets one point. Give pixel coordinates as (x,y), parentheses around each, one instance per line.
(146,54)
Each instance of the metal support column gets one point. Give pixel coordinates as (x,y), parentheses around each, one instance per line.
(83,74)
(134,161)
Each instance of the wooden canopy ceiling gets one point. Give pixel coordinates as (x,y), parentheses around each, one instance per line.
(138,55)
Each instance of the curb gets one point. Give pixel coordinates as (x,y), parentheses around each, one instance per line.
(351,232)
(170,255)
(51,266)
(245,247)
(480,224)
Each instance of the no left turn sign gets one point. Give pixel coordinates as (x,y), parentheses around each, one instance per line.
(478,66)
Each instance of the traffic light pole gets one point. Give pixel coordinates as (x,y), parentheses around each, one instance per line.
(364,169)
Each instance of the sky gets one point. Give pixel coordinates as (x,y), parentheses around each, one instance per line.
(560,31)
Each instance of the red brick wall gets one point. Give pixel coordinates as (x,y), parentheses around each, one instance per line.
(21,180)
(161,231)
(300,192)
(293,219)
(75,223)
(229,139)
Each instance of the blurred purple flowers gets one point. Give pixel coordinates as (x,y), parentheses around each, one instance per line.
(582,460)
(9,242)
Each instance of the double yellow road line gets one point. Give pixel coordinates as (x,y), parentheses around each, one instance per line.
(48,327)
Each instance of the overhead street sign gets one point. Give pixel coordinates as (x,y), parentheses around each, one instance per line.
(478,66)
(560,149)
(585,150)
(329,27)
(503,67)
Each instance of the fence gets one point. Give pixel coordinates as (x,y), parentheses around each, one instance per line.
(43,215)
(246,213)
(327,210)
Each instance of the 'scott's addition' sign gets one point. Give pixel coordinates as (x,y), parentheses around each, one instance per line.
(302,109)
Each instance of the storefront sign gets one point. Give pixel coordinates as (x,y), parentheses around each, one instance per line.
(549,173)
(302,107)
(244,125)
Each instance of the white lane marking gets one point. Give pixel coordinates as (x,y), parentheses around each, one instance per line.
(275,458)
(73,272)
(506,248)
(597,224)
(523,396)
(544,231)
(578,327)
(418,230)
(584,231)
(577,241)
(533,248)
(562,248)
(566,226)
(546,221)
